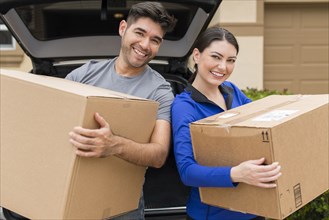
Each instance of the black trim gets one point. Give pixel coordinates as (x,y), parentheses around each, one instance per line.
(229,92)
(197,96)
(104,10)
(6,5)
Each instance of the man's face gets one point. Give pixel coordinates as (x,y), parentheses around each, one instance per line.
(140,41)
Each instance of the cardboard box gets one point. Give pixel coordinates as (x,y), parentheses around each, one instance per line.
(41,177)
(292,130)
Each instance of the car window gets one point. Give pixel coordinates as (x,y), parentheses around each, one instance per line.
(83,18)
(7,42)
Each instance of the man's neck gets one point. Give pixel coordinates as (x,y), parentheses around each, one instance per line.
(123,69)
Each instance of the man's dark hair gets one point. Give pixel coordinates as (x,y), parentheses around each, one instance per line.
(154,11)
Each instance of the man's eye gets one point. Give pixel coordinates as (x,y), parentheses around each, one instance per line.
(156,42)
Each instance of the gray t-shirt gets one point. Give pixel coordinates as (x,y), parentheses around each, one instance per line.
(149,84)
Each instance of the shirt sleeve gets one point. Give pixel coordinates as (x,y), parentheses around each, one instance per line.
(165,98)
(75,75)
(81,74)
(191,173)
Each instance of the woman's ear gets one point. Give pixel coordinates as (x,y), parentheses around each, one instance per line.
(122,27)
(196,55)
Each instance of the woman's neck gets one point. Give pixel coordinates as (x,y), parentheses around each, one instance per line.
(212,93)
(206,89)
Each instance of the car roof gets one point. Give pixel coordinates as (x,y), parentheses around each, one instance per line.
(60,30)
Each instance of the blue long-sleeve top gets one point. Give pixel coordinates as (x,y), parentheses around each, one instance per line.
(190,106)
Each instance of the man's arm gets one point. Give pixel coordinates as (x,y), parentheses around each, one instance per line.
(102,143)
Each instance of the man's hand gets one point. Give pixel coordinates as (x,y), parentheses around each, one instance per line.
(94,142)
(253,172)
(102,142)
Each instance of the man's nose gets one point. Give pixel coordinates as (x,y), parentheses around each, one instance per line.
(145,43)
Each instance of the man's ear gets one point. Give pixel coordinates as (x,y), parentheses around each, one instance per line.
(122,27)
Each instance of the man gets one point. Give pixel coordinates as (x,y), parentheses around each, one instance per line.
(141,37)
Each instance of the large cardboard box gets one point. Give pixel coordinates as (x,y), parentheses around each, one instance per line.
(292,130)
(41,177)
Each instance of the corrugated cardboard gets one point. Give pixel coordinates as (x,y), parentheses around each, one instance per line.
(41,177)
(292,130)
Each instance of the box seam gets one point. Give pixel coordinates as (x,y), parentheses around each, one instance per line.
(72,180)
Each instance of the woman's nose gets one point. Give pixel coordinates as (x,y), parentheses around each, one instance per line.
(221,65)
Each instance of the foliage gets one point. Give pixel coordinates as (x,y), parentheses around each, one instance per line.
(255,94)
(318,209)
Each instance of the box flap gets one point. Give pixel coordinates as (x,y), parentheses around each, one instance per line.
(66,85)
(267,112)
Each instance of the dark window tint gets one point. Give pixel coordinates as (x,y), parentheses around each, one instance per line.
(83,18)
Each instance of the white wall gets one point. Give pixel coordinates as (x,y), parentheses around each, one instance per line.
(249,66)
(237,11)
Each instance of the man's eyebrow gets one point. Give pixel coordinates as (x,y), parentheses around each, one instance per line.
(140,29)
(144,31)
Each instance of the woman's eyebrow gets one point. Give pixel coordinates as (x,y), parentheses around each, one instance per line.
(219,54)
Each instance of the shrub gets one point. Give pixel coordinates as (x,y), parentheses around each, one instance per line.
(318,209)
(255,94)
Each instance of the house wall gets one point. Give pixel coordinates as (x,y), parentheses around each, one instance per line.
(15,59)
(268,31)
(245,20)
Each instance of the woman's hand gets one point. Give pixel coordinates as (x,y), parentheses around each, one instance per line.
(253,172)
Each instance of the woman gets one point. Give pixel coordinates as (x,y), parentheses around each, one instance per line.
(209,93)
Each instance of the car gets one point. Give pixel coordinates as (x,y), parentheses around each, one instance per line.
(61,35)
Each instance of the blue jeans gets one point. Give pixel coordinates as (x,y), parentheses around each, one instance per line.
(137,214)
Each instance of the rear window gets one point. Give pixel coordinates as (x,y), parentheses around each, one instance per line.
(7,41)
(83,18)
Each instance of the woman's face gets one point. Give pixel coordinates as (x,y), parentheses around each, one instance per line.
(215,63)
